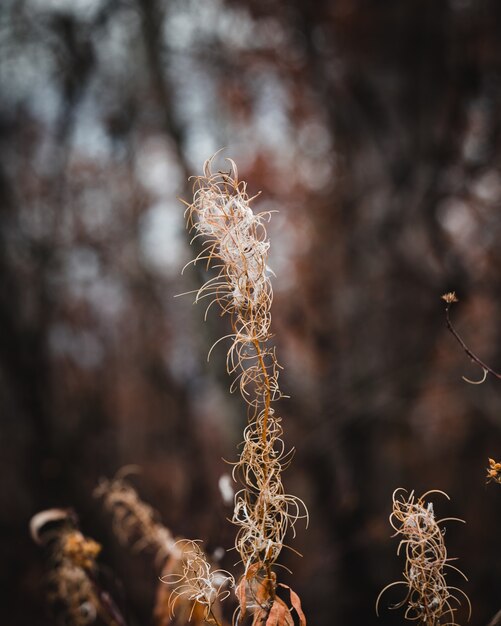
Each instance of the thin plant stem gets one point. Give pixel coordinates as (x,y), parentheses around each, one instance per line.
(450,298)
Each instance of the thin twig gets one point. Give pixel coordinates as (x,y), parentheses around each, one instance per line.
(450,298)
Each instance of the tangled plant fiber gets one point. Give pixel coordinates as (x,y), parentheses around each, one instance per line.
(429,599)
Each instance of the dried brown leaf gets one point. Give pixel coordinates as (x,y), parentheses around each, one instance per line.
(296,603)
(279,614)
(241,593)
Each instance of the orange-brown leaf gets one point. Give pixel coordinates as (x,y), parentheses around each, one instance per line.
(296,603)
(255,588)
(241,593)
(279,614)
(265,589)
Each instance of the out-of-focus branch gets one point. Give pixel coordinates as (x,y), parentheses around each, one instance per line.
(151,23)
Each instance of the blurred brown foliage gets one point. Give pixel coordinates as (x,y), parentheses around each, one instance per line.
(374,128)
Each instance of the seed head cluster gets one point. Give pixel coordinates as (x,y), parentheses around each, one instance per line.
(429,599)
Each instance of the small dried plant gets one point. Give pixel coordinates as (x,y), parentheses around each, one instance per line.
(74,593)
(451,298)
(235,244)
(199,587)
(429,599)
(494,472)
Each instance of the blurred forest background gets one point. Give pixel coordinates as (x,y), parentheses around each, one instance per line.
(375,129)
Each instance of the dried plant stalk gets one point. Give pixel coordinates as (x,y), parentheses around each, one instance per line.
(235,243)
(135,523)
(429,599)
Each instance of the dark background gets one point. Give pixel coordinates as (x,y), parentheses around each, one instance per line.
(374,128)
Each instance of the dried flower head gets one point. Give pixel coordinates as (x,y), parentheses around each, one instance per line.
(71,564)
(80,550)
(429,599)
(235,243)
(494,471)
(235,238)
(450,297)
